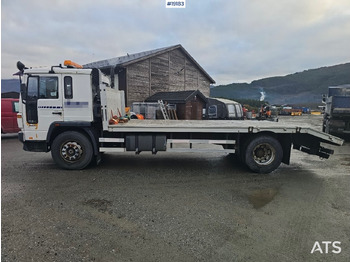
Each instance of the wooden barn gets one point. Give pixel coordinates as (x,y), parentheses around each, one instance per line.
(189,104)
(161,70)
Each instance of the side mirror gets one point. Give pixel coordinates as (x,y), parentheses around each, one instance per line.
(324,98)
(20,66)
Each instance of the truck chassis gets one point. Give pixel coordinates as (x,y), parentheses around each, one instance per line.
(260,145)
(67,110)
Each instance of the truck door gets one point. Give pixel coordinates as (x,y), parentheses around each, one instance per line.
(43,104)
(77,98)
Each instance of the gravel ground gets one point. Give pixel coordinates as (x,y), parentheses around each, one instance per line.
(173,207)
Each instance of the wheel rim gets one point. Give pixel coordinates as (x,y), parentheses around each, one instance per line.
(264,154)
(71,151)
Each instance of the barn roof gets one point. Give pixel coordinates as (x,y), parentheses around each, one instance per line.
(176,97)
(133,58)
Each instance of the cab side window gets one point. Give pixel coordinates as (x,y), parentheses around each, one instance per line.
(48,87)
(68,87)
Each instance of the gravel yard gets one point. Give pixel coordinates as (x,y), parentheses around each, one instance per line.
(174,207)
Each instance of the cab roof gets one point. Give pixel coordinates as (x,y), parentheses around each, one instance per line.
(57,70)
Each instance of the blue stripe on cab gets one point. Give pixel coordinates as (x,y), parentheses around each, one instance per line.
(76,104)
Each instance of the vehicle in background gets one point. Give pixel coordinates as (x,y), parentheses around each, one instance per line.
(267,112)
(305,110)
(336,118)
(219,108)
(9,110)
(290,111)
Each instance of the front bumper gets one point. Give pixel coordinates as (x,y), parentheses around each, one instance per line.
(21,136)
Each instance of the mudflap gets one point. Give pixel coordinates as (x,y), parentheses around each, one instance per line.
(311,145)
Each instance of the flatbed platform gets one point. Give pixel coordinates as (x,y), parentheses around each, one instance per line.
(220,126)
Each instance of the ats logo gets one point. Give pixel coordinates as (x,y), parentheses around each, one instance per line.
(326,247)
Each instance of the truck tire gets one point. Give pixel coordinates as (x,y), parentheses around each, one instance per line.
(263,154)
(72,150)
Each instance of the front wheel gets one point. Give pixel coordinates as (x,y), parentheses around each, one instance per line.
(72,150)
(263,154)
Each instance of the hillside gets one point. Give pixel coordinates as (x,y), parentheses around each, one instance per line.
(302,87)
(299,88)
(9,85)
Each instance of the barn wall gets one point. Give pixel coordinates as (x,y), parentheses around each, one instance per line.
(138,82)
(204,85)
(159,73)
(177,71)
(171,71)
(191,75)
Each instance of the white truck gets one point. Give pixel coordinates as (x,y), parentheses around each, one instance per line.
(67,110)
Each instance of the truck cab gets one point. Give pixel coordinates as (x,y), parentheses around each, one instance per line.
(60,111)
(53,95)
(336,119)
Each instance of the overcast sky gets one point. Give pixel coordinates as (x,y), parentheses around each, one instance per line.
(233,40)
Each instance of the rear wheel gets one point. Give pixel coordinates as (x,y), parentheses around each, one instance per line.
(263,154)
(72,150)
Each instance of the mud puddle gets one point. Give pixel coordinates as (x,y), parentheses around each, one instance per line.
(261,197)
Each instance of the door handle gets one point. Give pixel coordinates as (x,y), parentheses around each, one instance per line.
(57,113)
